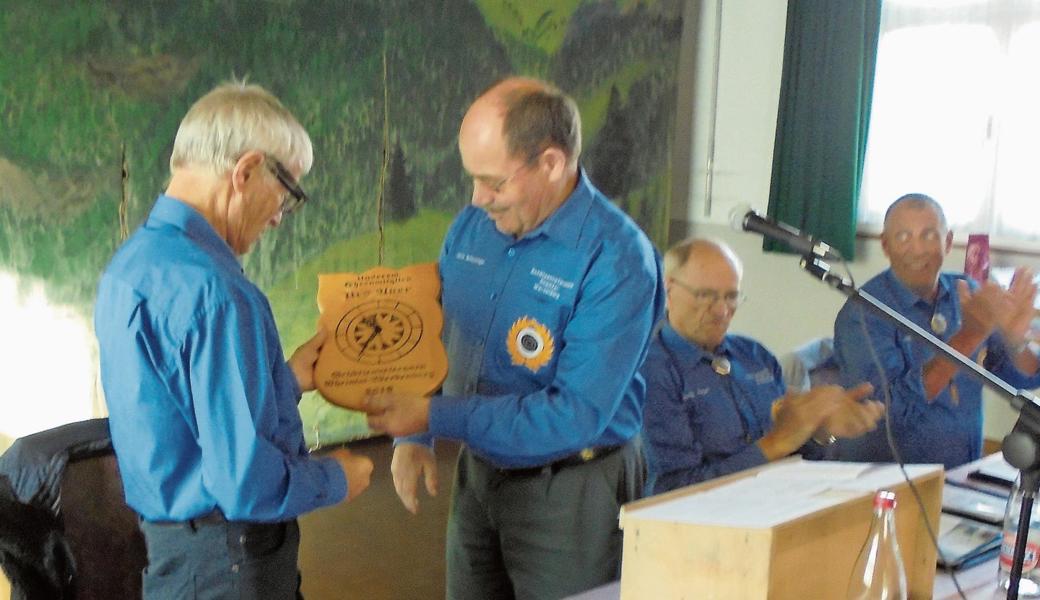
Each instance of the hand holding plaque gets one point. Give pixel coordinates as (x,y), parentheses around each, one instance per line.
(385,334)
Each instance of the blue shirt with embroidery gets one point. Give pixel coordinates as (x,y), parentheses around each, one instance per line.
(699,424)
(946,430)
(202,403)
(545,333)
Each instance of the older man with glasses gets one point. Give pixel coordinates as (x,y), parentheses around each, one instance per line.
(202,401)
(716,402)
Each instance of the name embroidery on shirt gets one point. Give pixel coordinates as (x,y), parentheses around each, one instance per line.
(476,260)
(530,344)
(549,284)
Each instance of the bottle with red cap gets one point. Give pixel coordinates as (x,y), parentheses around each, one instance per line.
(879,574)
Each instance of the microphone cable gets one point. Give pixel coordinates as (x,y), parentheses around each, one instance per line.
(798,240)
(890,438)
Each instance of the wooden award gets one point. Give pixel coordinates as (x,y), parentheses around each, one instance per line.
(384,334)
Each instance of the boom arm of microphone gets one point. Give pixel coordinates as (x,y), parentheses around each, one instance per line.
(1021,447)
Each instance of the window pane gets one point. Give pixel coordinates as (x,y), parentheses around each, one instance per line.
(935,90)
(1017,189)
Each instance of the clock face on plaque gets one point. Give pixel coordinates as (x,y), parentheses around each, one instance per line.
(379,331)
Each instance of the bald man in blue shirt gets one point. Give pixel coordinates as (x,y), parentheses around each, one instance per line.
(936,409)
(716,402)
(550,294)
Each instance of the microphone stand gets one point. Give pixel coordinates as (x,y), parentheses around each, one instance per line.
(1021,447)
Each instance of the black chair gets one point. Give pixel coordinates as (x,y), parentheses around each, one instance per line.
(70,475)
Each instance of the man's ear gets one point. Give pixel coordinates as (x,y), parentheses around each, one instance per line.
(949,242)
(556,162)
(246,168)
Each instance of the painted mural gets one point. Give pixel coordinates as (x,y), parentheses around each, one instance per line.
(91,94)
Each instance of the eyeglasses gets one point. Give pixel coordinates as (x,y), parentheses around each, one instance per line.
(296,195)
(706,298)
(502,183)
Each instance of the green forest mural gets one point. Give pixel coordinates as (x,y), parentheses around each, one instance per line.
(91,93)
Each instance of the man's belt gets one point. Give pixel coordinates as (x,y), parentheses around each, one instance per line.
(211,518)
(585,455)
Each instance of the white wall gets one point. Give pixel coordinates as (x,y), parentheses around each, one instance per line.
(785,306)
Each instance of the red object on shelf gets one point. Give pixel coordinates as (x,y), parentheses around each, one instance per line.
(976,257)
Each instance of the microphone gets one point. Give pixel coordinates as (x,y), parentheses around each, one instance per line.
(744,218)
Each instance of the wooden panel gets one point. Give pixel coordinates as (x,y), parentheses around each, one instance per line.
(371,548)
(678,560)
(681,561)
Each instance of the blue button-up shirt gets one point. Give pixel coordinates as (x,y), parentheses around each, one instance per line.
(545,333)
(700,424)
(202,403)
(946,430)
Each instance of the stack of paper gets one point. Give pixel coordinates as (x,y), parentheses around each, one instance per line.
(781,493)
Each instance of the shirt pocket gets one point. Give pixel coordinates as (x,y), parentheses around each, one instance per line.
(529,326)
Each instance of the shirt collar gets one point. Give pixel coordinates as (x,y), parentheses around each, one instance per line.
(564,224)
(170,211)
(685,351)
(906,298)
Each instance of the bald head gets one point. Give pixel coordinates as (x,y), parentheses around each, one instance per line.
(519,142)
(702,278)
(698,250)
(531,115)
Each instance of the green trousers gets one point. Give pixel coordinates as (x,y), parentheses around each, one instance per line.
(538,535)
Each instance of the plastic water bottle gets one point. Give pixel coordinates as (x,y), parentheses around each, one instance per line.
(879,574)
(1029,585)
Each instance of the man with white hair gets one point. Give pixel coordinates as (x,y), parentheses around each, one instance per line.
(716,402)
(202,402)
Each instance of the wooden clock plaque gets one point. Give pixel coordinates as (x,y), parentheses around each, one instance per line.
(384,334)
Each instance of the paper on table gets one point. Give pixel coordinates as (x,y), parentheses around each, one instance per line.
(816,470)
(961,539)
(769,498)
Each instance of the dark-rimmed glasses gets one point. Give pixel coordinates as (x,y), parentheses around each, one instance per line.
(296,196)
(707,298)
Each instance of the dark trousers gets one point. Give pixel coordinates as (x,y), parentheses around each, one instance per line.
(213,558)
(538,535)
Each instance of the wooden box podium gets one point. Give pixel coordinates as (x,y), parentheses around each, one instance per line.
(806,557)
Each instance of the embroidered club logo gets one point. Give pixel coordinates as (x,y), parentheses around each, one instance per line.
(530,344)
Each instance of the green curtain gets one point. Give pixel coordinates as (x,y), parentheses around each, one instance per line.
(821,126)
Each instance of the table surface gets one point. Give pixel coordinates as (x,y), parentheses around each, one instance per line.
(978,582)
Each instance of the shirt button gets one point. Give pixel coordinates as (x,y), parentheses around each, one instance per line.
(234,568)
(241,539)
(493,295)
(511,252)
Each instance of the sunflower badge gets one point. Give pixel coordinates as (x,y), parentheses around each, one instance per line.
(530,344)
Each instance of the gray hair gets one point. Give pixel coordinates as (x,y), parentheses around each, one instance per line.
(234,118)
(539,116)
